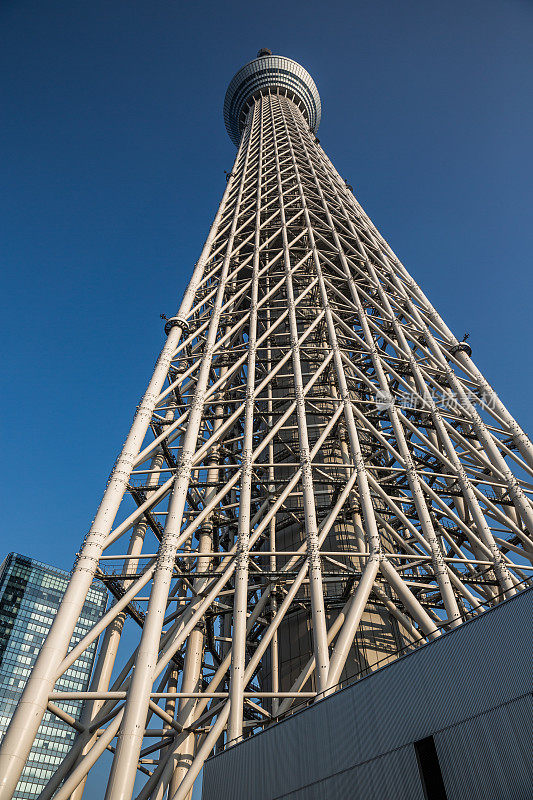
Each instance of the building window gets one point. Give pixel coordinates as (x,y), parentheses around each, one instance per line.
(429,768)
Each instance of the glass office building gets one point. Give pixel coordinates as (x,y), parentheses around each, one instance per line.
(30,593)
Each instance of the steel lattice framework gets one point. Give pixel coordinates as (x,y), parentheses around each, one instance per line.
(317,478)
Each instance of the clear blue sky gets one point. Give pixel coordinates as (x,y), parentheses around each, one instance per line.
(112,157)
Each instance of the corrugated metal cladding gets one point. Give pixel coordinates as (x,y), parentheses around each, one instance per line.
(471,689)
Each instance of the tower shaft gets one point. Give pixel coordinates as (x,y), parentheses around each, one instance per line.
(317,479)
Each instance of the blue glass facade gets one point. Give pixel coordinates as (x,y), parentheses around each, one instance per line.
(30,593)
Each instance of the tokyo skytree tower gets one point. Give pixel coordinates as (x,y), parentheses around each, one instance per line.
(317,479)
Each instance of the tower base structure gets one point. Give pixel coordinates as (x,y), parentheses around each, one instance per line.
(452,720)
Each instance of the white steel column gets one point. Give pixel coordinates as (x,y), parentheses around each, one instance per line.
(122,777)
(315,567)
(240,601)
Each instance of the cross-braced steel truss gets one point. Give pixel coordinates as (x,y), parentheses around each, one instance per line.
(317,478)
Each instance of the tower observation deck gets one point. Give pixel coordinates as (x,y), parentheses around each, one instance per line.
(317,479)
(269,73)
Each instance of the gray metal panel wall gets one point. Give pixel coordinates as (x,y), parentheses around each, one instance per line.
(392,776)
(470,685)
(490,755)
